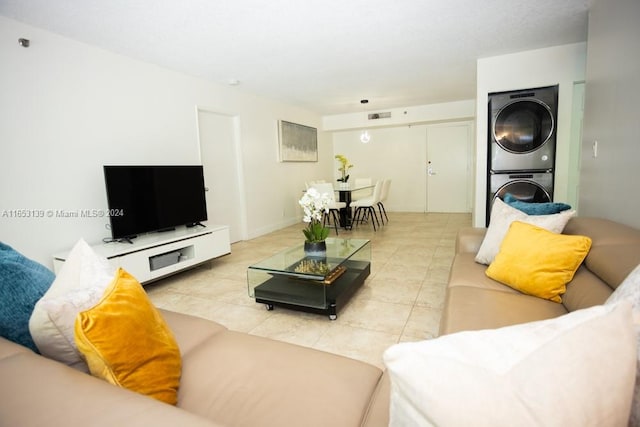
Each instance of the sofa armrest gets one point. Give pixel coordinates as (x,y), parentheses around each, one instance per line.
(469,239)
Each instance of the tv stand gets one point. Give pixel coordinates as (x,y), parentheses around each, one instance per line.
(195,224)
(156,255)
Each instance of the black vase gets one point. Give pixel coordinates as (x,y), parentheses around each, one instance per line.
(315,249)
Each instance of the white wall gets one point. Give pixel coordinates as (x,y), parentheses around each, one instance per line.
(397,149)
(399,153)
(609,182)
(561,65)
(68,108)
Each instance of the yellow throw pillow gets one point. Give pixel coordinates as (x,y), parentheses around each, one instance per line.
(126,341)
(538,262)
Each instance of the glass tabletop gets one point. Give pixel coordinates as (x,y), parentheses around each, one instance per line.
(293,261)
(351,187)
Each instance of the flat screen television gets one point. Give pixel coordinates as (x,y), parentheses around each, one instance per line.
(142,199)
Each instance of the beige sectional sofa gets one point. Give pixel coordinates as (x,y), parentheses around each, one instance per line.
(474,301)
(228,379)
(498,347)
(236,379)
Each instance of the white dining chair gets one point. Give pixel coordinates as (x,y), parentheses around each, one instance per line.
(334,205)
(366,208)
(362,194)
(384,193)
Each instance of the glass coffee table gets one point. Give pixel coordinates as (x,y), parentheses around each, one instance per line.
(313,284)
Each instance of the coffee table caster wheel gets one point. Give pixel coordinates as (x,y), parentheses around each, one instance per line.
(269,307)
(333,316)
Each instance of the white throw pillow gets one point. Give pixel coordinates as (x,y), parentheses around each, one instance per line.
(574,370)
(629,290)
(78,286)
(502,215)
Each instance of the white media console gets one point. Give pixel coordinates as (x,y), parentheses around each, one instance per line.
(156,255)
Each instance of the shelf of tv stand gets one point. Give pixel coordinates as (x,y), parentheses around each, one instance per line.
(183,248)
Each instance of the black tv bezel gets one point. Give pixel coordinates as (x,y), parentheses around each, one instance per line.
(131,232)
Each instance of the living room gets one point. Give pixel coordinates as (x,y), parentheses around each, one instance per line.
(70,107)
(72,95)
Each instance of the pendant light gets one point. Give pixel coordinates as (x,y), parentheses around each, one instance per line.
(364,136)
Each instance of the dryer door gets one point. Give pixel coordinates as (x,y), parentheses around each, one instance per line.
(523,126)
(524,190)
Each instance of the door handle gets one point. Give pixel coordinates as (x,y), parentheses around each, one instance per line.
(430,171)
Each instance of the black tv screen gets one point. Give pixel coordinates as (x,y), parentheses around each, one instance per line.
(143,199)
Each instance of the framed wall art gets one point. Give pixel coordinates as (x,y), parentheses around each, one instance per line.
(298,143)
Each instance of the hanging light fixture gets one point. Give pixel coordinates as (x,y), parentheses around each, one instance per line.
(364,136)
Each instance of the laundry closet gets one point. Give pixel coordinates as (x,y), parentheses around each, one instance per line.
(522,145)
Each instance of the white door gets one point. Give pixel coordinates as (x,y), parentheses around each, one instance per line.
(218,142)
(448,168)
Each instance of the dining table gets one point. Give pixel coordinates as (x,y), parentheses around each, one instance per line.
(345,194)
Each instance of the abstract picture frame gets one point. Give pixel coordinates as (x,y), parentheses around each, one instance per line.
(297,143)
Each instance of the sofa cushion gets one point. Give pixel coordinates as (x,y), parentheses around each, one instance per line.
(613,263)
(535,208)
(466,272)
(471,308)
(22,284)
(615,248)
(629,291)
(190,331)
(538,262)
(37,391)
(126,342)
(251,380)
(79,285)
(602,231)
(585,290)
(525,375)
(502,215)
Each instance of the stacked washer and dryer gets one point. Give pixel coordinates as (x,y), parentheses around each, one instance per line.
(522,144)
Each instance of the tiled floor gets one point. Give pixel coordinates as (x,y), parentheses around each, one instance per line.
(400,301)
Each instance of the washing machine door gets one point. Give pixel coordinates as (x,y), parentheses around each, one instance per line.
(523,126)
(524,190)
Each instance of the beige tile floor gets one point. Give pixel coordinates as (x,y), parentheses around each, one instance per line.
(400,301)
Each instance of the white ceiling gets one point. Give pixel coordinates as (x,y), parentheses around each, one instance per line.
(322,55)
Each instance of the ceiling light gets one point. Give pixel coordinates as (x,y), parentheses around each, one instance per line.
(364,136)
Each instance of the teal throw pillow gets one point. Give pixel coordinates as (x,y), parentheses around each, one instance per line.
(22,283)
(535,208)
